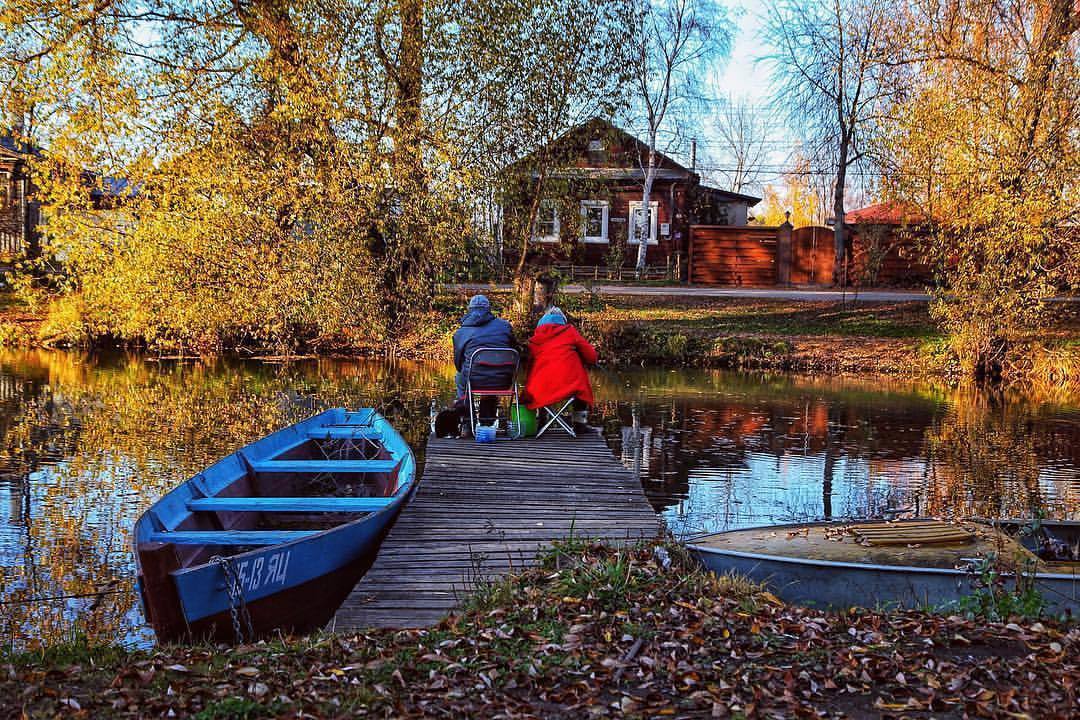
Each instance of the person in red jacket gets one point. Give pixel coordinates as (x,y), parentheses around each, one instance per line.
(558,356)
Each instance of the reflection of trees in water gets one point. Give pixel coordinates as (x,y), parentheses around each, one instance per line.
(121,431)
(877,446)
(992,455)
(108,436)
(724,429)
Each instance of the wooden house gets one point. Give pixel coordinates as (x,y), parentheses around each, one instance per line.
(19,213)
(592,196)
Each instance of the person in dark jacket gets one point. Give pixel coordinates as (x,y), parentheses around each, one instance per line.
(481,329)
(558,358)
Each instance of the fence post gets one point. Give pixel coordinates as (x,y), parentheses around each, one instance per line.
(783,254)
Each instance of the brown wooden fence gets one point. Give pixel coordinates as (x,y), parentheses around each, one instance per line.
(732,255)
(748,256)
(671,271)
(881,255)
(812,256)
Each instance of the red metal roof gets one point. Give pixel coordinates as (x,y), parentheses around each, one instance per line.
(886,213)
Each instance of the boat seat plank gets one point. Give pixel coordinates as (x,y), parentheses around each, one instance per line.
(323,466)
(229,537)
(335,432)
(290,504)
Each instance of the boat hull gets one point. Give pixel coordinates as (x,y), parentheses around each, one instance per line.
(319,574)
(199,591)
(840,585)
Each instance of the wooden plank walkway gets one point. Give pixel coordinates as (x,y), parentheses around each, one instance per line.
(482,511)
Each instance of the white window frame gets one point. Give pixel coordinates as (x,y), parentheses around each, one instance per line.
(586,205)
(553,238)
(654,212)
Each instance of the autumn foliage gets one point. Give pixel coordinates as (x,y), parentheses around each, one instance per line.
(986,141)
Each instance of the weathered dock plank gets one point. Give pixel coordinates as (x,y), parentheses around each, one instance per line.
(482,511)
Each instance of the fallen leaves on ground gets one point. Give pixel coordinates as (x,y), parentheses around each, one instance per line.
(594,632)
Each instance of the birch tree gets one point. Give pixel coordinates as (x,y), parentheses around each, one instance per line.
(674,42)
(830,69)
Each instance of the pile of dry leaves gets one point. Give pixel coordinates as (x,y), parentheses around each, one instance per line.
(594,632)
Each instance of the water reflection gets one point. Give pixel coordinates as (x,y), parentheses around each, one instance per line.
(726,450)
(87,443)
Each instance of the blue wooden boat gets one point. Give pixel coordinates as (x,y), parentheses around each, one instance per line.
(274,536)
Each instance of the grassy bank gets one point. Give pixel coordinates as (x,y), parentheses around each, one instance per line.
(594,632)
(800,335)
(751,333)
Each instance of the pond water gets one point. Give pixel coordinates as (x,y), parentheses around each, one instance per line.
(86,443)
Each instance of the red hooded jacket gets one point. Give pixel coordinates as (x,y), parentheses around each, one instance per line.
(557,369)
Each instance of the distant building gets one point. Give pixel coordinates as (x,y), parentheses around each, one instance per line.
(887,244)
(20,208)
(19,213)
(600,181)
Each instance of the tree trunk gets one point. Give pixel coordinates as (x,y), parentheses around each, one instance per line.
(642,232)
(406,285)
(409,90)
(839,228)
(523,281)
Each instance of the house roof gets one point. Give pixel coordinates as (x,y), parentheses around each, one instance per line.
(112,187)
(10,147)
(729,196)
(574,142)
(886,213)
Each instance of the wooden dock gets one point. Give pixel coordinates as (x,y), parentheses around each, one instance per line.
(482,511)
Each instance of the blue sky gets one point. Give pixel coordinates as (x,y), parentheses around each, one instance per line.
(743,75)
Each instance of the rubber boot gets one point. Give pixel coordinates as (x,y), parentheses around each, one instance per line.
(581,422)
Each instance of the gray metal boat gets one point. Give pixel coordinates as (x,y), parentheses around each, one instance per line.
(907,563)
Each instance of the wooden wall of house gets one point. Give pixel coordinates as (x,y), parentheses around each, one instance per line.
(13,212)
(732,255)
(572,248)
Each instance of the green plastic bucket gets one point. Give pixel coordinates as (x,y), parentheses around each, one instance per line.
(522,421)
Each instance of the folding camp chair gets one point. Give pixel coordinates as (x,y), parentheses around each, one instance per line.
(491,357)
(556,411)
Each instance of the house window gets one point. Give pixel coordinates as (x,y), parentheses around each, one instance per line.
(637,219)
(547,222)
(5,190)
(722,215)
(594,221)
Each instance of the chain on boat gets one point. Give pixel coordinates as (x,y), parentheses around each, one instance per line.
(237,606)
